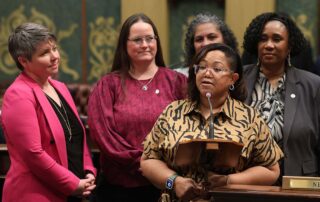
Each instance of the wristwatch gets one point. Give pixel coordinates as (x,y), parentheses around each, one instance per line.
(170,181)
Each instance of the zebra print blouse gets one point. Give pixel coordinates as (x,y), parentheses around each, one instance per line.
(182,121)
(270,103)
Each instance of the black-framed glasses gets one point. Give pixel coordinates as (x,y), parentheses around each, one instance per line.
(215,70)
(139,40)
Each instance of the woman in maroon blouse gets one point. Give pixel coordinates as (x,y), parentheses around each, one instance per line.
(124,106)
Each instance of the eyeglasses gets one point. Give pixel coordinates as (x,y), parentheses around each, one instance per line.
(139,40)
(215,70)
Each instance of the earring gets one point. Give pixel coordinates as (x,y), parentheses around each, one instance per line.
(231,88)
(289,60)
(258,62)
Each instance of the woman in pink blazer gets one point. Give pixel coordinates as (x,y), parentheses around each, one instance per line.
(46,140)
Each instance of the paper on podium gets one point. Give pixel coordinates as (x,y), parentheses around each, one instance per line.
(225,153)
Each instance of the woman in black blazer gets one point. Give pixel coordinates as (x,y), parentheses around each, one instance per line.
(287,98)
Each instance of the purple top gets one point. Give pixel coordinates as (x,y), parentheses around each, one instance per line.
(120,121)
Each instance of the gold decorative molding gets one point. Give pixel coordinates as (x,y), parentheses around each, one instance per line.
(16,18)
(103,36)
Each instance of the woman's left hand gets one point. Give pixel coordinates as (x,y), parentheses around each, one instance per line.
(216,180)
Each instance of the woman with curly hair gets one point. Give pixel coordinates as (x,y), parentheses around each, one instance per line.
(287,97)
(205,29)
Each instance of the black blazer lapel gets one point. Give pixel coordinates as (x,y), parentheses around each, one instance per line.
(251,74)
(290,103)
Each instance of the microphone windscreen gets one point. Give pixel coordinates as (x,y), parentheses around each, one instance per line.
(208,95)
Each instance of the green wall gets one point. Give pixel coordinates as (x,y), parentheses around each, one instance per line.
(79,25)
(87,30)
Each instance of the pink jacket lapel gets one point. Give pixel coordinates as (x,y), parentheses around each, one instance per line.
(52,120)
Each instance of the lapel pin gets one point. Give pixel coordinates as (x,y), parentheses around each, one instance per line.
(293,96)
(157,91)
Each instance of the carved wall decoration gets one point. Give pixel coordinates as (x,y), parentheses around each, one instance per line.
(103,36)
(18,17)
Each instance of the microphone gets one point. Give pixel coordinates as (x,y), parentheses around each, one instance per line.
(211,126)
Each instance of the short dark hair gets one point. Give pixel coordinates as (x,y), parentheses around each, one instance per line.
(239,92)
(297,41)
(24,40)
(201,18)
(121,61)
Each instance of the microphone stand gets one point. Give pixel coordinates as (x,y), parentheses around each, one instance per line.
(213,154)
(209,157)
(211,124)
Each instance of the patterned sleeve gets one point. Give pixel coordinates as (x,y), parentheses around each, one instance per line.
(265,152)
(154,140)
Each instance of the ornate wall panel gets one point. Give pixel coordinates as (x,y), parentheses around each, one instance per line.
(96,34)
(87,30)
(60,19)
(103,28)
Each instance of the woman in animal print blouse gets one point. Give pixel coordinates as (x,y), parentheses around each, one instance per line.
(217,70)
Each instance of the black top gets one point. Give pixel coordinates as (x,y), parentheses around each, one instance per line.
(74,144)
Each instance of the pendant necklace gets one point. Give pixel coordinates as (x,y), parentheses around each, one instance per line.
(64,115)
(145,86)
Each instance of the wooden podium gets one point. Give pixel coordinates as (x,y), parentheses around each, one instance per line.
(221,153)
(254,193)
(225,154)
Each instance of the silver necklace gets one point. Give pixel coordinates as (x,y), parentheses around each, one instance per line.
(145,86)
(65,119)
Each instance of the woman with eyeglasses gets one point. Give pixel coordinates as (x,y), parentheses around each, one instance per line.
(123,107)
(215,70)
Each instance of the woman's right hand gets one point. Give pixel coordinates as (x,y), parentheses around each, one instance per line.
(187,189)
